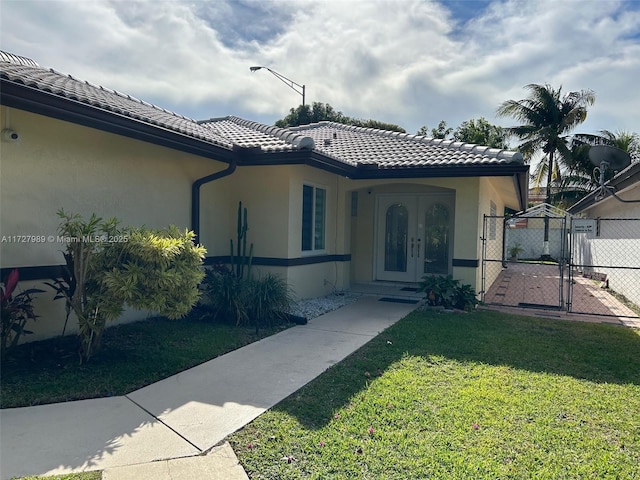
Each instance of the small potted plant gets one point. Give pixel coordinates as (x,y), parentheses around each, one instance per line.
(514,251)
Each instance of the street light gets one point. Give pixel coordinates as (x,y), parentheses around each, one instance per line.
(288,82)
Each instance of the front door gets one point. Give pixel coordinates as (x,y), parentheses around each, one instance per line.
(414,236)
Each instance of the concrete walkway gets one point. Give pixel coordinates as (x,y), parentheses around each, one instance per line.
(172,425)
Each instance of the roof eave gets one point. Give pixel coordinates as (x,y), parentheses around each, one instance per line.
(33,100)
(622,181)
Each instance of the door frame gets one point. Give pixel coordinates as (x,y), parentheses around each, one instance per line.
(420,200)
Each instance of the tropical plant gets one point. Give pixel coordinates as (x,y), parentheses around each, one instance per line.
(238,297)
(447,292)
(579,177)
(108,268)
(478,131)
(17,310)
(79,286)
(547,118)
(224,295)
(515,250)
(269,298)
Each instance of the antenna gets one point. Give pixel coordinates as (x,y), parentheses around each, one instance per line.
(608,157)
(605,157)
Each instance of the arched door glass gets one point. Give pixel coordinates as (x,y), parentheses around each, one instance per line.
(396,231)
(437,236)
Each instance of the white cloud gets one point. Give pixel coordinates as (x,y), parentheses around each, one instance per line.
(410,62)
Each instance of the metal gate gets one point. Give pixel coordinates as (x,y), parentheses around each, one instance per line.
(520,268)
(588,266)
(605,267)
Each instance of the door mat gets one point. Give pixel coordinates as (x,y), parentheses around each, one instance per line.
(409,289)
(398,300)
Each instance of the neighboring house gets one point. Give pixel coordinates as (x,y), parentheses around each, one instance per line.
(329,205)
(615,240)
(626,185)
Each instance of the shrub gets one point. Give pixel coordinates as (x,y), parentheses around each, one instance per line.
(246,301)
(224,293)
(238,297)
(17,310)
(447,292)
(108,268)
(268,299)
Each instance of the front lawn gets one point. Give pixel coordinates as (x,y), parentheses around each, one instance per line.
(482,395)
(132,356)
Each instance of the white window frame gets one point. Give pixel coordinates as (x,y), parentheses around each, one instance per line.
(313,250)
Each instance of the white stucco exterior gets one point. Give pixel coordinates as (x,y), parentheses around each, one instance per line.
(57,164)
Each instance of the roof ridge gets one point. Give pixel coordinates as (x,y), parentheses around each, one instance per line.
(288,135)
(17,59)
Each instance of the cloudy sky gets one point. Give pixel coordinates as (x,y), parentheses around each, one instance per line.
(408,62)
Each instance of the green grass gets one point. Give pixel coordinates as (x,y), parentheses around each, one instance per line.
(550,399)
(132,356)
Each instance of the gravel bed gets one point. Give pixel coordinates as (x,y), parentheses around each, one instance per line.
(314,307)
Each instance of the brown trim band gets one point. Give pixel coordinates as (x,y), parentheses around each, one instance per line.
(284,262)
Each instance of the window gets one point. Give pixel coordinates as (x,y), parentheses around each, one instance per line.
(492,221)
(354,204)
(314,207)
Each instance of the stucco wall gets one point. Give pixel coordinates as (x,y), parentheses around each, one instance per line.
(612,208)
(273,198)
(57,164)
(465,221)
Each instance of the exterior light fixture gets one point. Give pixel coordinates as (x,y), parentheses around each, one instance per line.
(299,89)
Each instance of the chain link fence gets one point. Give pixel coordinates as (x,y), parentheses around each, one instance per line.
(520,269)
(605,267)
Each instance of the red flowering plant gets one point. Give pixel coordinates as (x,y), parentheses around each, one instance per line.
(17,310)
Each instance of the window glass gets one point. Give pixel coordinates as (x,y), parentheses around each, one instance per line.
(314,207)
(320,207)
(307,217)
(395,244)
(436,245)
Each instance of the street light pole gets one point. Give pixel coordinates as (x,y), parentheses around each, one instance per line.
(300,90)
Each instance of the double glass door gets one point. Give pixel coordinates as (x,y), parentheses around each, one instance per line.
(414,236)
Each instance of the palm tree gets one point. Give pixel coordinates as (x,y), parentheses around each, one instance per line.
(547,117)
(581,167)
(624,140)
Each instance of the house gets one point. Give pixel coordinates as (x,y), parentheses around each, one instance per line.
(329,205)
(611,248)
(626,185)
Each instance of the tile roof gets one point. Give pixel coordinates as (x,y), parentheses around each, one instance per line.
(246,133)
(348,145)
(25,71)
(386,149)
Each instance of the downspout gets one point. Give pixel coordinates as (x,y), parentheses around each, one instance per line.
(195,195)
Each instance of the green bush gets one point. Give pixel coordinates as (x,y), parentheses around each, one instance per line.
(237,297)
(447,292)
(108,267)
(223,293)
(245,301)
(268,298)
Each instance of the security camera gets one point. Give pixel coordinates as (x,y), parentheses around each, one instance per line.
(9,135)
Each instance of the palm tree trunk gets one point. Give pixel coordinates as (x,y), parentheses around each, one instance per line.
(545,246)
